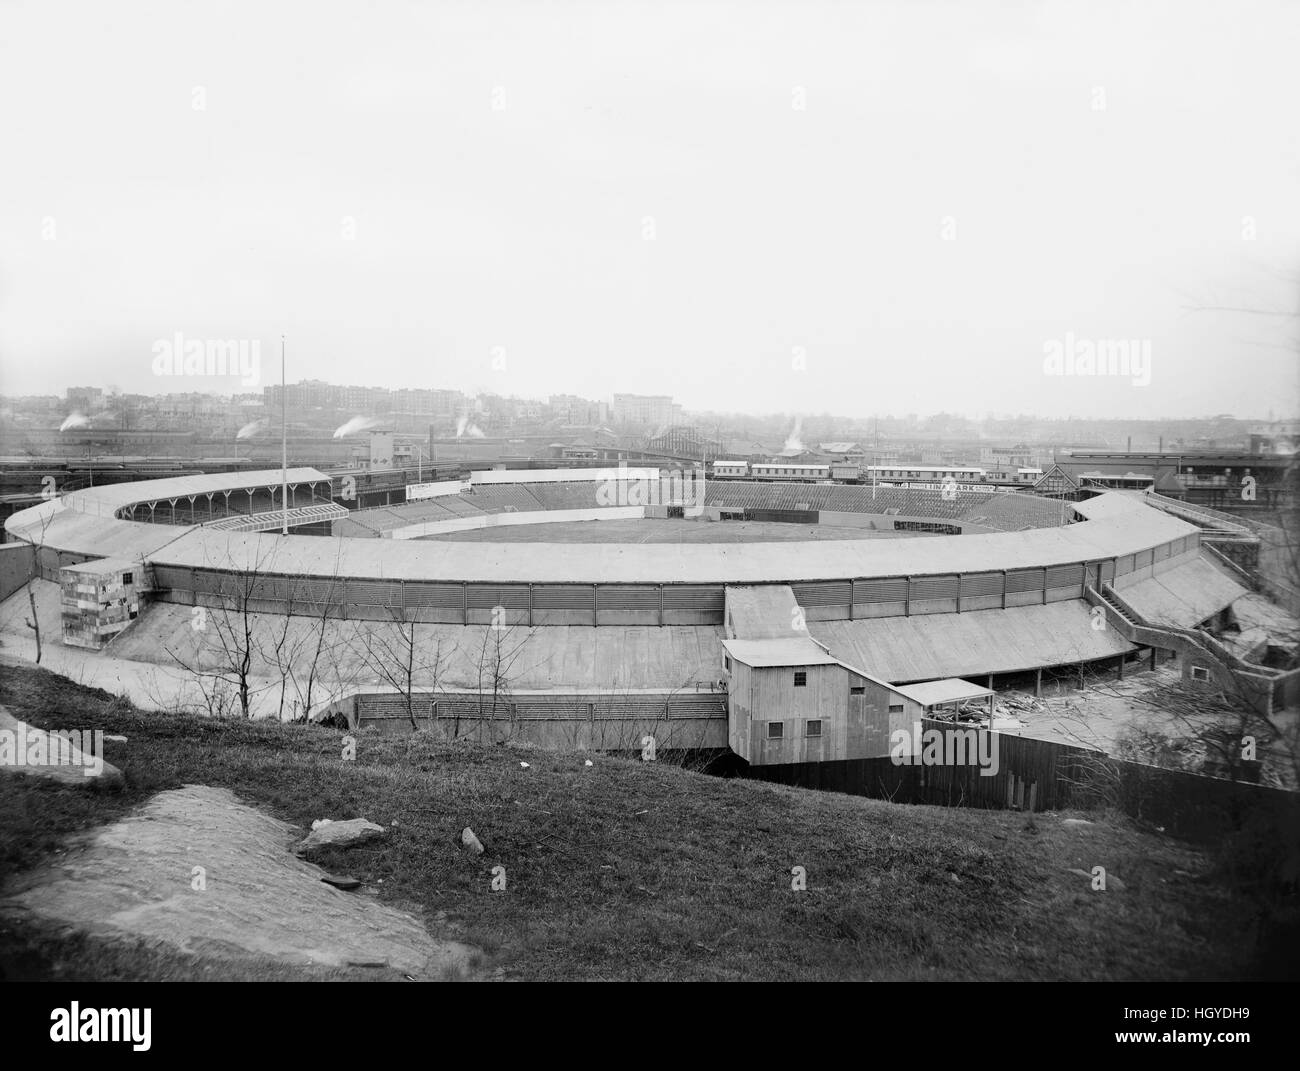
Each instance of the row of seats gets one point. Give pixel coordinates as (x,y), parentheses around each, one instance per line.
(498,498)
(569,495)
(1005,512)
(1016,513)
(843,498)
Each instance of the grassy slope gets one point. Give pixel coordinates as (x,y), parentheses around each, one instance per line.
(634,870)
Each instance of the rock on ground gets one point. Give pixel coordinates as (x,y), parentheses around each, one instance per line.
(340,834)
(197,869)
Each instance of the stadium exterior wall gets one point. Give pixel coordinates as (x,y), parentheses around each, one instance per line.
(534,604)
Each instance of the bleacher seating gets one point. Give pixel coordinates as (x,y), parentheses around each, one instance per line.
(500,498)
(459,505)
(583,495)
(1015,513)
(996,510)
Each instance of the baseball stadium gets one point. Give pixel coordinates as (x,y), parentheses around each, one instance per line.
(788,622)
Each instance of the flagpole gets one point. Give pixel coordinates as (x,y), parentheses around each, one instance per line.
(284,444)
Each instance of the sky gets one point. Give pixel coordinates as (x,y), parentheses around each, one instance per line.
(753,207)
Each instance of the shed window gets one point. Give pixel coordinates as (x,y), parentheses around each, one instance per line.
(857,689)
(814,728)
(127,578)
(895,708)
(800,678)
(1200,673)
(775,730)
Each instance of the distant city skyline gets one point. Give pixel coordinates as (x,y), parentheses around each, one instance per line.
(1271,415)
(791,209)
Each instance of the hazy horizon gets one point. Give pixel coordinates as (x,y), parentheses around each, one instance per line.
(755,208)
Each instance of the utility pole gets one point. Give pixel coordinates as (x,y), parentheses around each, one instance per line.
(284,444)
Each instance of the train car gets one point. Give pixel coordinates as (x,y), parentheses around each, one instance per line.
(791,473)
(962,474)
(731,469)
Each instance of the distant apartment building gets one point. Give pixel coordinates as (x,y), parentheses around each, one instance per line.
(656,409)
(85,398)
(307,394)
(1007,457)
(578,412)
(314,394)
(1280,437)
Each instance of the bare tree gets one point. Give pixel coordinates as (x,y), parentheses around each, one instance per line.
(232,623)
(395,653)
(498,658)
(33,574)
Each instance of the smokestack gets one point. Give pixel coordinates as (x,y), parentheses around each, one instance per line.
(1130,444)
(1161,448)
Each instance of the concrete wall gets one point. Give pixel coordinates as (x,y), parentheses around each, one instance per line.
(17,561)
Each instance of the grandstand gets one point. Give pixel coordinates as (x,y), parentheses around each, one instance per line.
(1022,578)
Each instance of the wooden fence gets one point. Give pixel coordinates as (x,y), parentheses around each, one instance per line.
(1041,775)
(1027,772)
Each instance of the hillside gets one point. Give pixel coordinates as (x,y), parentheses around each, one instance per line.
(631,870)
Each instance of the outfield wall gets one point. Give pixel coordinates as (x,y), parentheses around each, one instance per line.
(506,520)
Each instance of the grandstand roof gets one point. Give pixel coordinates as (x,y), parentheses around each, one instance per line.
(1184,596)
(112,497)
(762,612)
(735,563)
(930,646)
(90,534)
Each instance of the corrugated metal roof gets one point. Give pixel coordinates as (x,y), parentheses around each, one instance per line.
(111,497)
(791,652)
(764,612)
(668,563)
(930,646)
(1123,526)
(1185,596)
(950,690)
(1112,504)
(86,533)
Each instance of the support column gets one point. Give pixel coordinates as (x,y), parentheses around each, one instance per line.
(1038,683)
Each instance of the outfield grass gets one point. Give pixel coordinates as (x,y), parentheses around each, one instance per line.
(635,870)
(655,530)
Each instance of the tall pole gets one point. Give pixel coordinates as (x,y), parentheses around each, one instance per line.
(284,444)
(876,466)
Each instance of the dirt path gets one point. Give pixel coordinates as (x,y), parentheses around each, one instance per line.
(198,870)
